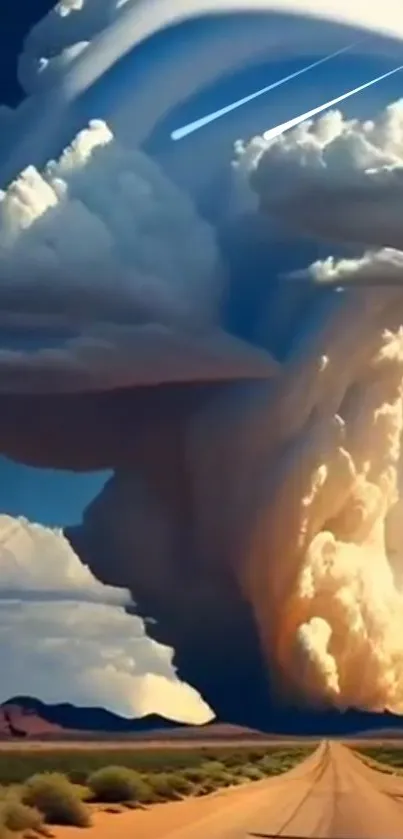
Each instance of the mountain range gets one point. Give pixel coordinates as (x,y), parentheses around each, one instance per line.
(26,717)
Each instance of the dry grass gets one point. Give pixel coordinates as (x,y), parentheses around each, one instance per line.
(57,799)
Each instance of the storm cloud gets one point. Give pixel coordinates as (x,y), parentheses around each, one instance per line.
(254,505)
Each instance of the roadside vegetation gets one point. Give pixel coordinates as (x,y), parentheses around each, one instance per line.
(385,758)
(48,787)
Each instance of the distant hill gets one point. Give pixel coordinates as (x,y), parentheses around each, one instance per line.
(24,716)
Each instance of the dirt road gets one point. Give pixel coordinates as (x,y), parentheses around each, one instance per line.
(330,795)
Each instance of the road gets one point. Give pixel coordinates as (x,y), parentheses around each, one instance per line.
(330,795)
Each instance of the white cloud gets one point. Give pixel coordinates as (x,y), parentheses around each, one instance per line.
(34,558)
(64,636)
(103,222)
(334,178)
(105,212)
(69,56)
(53,42)
(336,637)
(373,268)
(60,35)
(138,278)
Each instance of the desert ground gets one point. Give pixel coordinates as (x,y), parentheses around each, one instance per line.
(126,744)
(332,793)
(189,819)
(291,788)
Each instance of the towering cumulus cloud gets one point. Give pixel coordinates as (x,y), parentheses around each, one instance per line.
(103,249)
(325,561)
(254,510)
(66,636)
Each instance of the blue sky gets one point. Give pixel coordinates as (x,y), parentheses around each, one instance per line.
(53,498)
(198,160)
(302,93)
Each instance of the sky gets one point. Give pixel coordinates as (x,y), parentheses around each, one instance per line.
(54,503)
(13,32)
(129,261)
(54,499)
(51,498)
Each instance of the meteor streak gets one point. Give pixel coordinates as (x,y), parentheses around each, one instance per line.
(292,123)
(185,130)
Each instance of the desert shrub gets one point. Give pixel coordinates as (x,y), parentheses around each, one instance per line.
(194,774)
(116,784)
(82,792)
(237,780)
(252,773)
(268,765)
(17,816)
(213,769)
(54,796)
(169,785)
(135,805)
(216,772)
(77,764)
(208,786)
(233,758)
(161,787)
(179,783)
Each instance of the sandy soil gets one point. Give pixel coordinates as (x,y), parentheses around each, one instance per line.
(163,821)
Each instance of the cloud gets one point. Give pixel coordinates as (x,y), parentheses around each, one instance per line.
(307,474)
(60,35)
(348,601)
(64,636)
(105,357)
(91,655)
(373,268)
(336,179)
(71,25)
(136,279)
(143,254)
(184,130)
(39,559)
(69,56)
(333,627)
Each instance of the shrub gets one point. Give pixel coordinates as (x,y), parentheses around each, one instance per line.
(194,774)
(54,796)
(169,785)
(82,792)
(117,784)
(252,773)
(215,772)
(178,782)
(237,780)
(213,768)
(208,786)
(17,816)
(135,805)
(268,765)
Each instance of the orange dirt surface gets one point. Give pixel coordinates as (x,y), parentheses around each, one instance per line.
(175,820)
